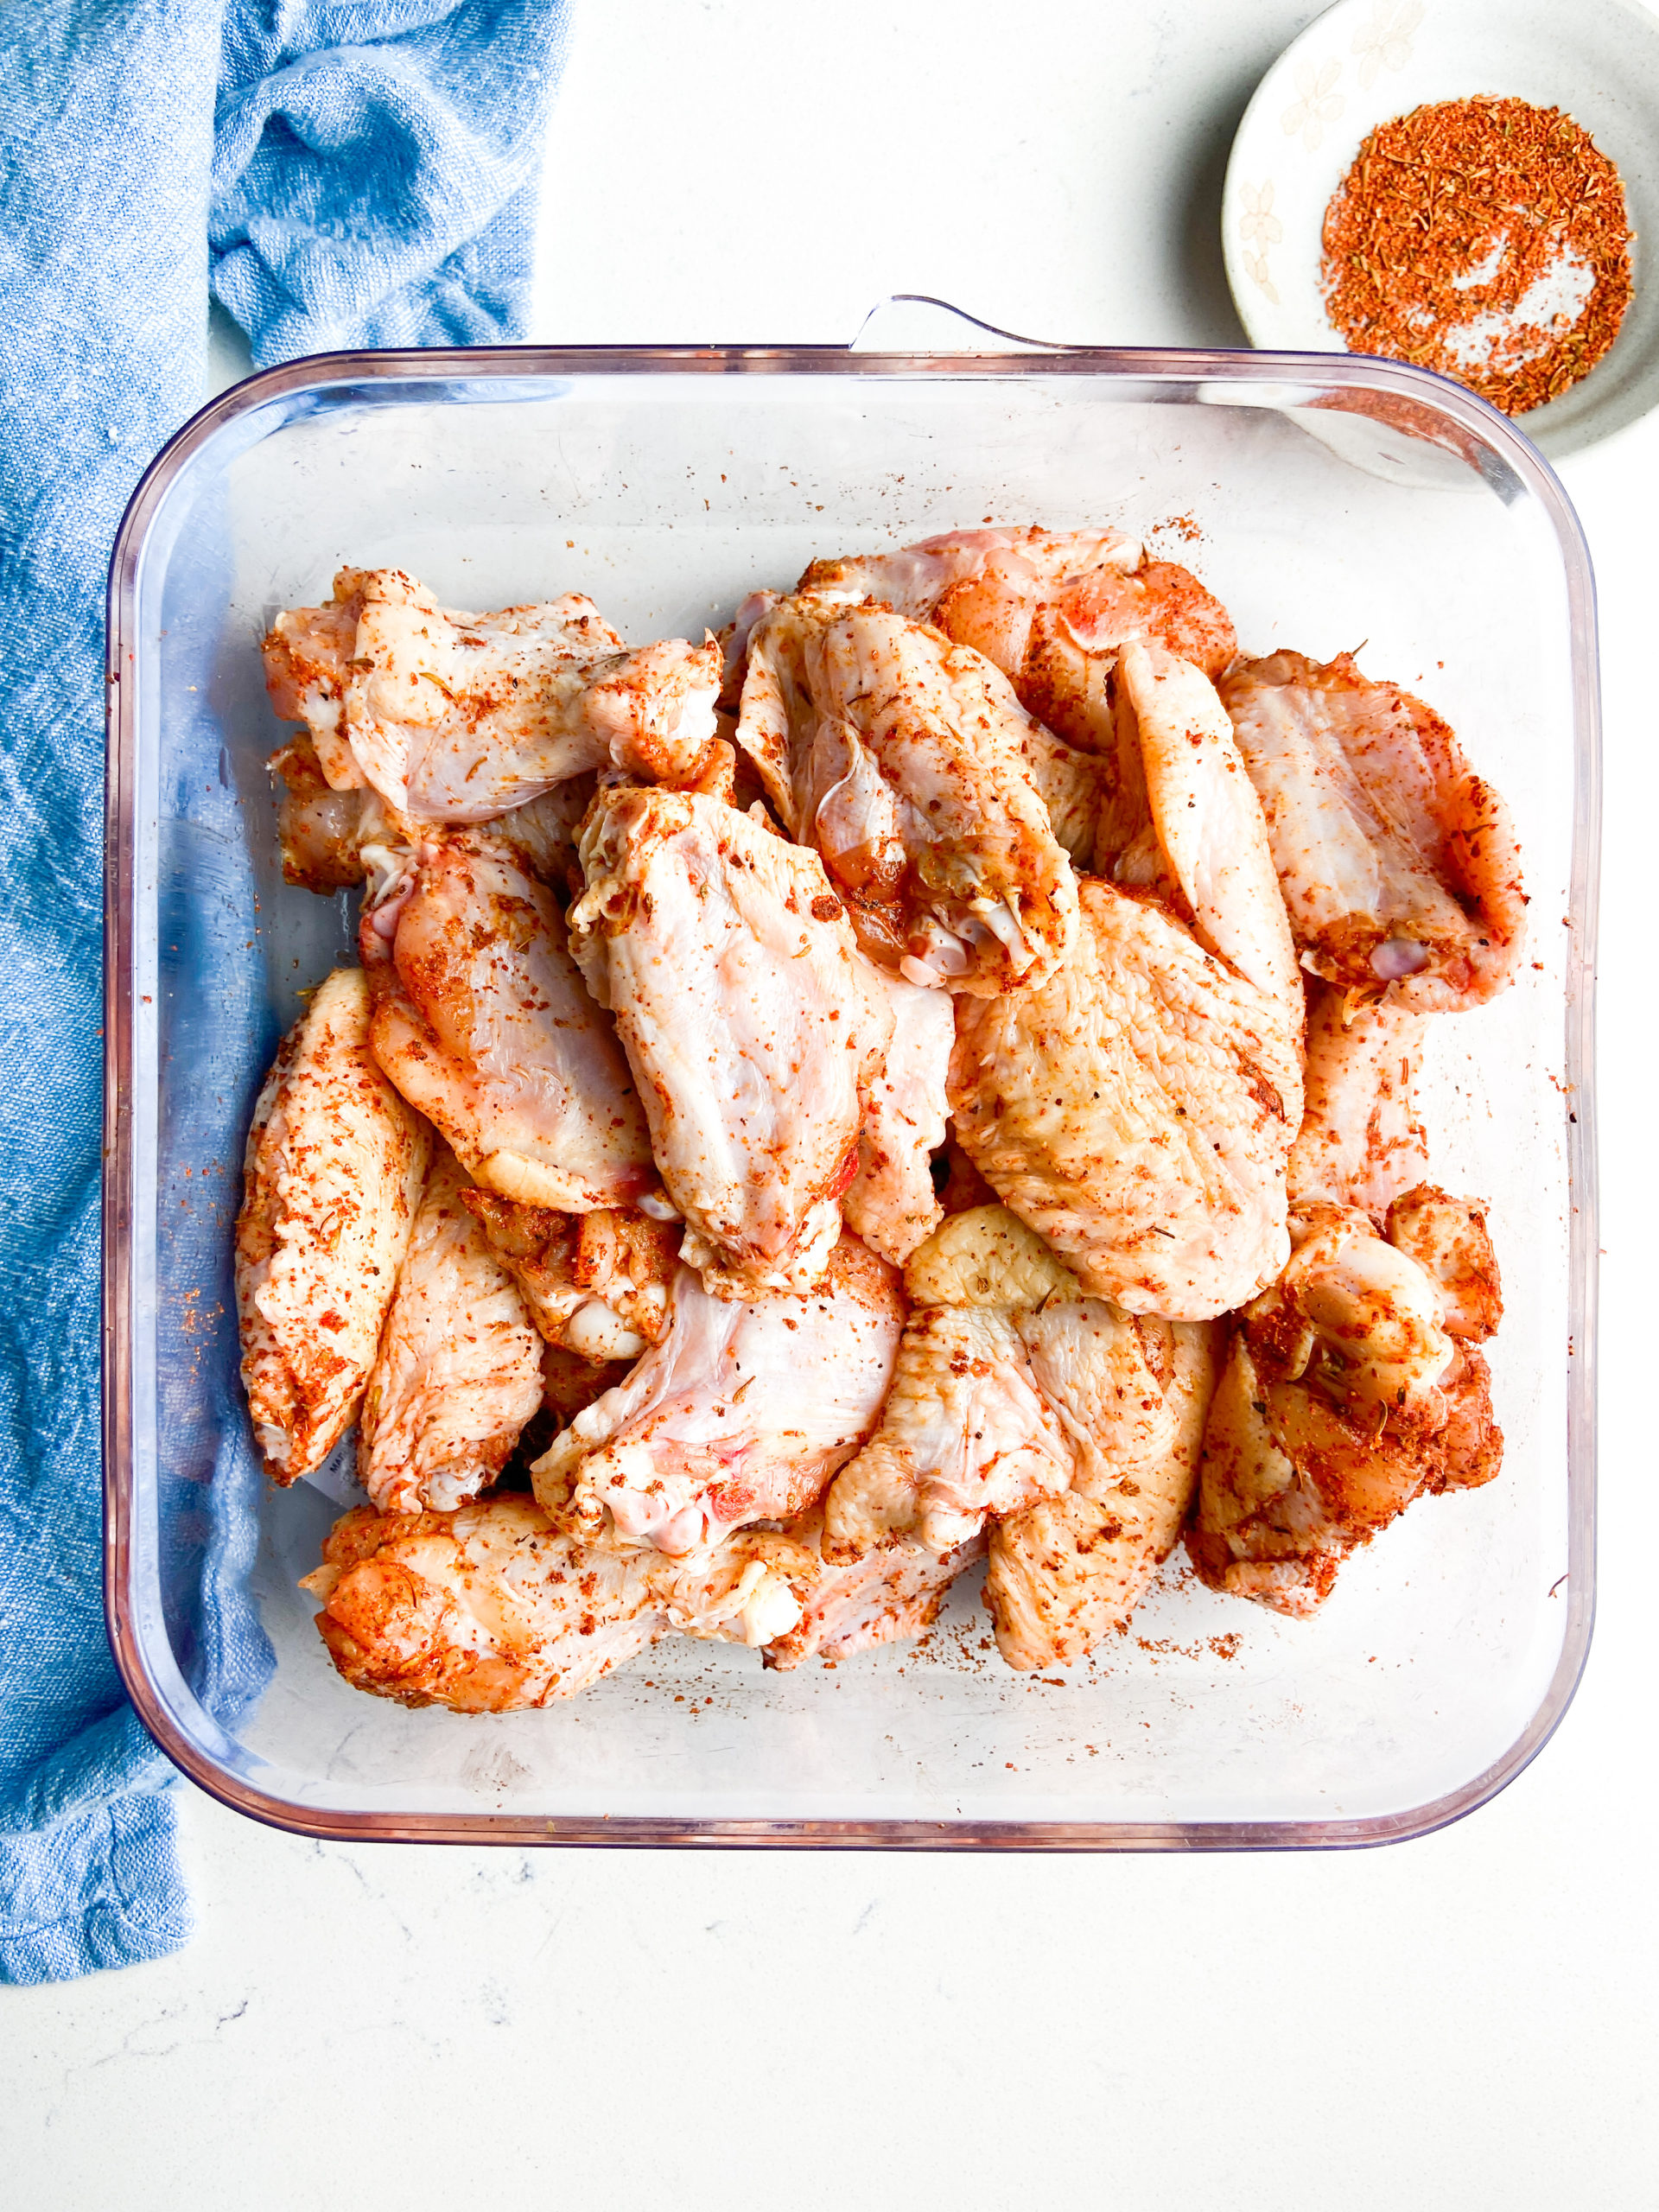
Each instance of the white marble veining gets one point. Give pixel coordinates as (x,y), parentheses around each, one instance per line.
(1467,2021)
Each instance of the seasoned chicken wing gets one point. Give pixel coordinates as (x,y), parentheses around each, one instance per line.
(1207,821)
(1051,609)
(1134,1395)
(332,840)
(1071,784)
(891,1594)
(891,1201)
(1054,613)
(458,1369)
(1360,1143)
(457,717)
(742,1414)
(1449,1240)
(491,1609)
(902,759)
(335,1164)
(546,834)
(483,1021)
(1138,1111)
(595,1283)
(966,1432)
(753,1027)
(1399,865)
(1138,1108)
(318,830)
(1062,1428)
(1352,1386)
(571,1381)
(1017,569)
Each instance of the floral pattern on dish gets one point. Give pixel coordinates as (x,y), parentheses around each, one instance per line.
(1259,225)
(1385,42)
(1319,103)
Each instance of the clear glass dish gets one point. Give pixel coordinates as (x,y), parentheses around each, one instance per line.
(667,482)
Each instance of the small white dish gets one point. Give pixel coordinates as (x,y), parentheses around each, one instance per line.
(1364,61)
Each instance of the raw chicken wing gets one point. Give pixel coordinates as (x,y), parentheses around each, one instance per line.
(1449,1240)
(753,1025)
(888,1595)
(483,1021)
(319,830)
(1352,1386)
(1360,1143)
(1023,568)
(1138,1111)
(1132,1396)
(457,717)
(1051,610)
(595,1283)
(491,1609)
(891,1201)
(1208,822)
(966,1432)
(334,1166)
(901,758)
(459,1370)
(1399,865)
(742,1414)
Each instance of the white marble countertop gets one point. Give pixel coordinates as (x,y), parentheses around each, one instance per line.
(1463,2021)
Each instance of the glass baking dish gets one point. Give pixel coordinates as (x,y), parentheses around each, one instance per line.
(1331,502)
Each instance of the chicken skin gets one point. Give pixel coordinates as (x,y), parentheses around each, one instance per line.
(491,1609)
(1133,1396)
(891,1594)
(1051,609)
(1058,1427)
(1138,1111)
(901,758)
(335,1164)
(458,1369)
(457,717)
(753,1027)
(333,840)
(966,1432)
(1071,784)
(484,1023)
(1449,1240)
(319,831)
(596,1284)
(1352,1387)
(1023,567)
(742,1414)
(890,1201)
(546,834)
(1400,865)
(1360,1143)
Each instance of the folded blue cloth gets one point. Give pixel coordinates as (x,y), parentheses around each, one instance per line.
(362,173)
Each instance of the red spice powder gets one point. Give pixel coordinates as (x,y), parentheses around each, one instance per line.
(1450,218)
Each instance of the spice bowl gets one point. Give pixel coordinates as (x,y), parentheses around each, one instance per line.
(1363,63)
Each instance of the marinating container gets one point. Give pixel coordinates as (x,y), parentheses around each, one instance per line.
(1332,504)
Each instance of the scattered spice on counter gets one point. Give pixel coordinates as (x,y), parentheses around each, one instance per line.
(1486,238)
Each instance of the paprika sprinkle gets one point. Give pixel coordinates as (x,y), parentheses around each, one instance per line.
(1486,238)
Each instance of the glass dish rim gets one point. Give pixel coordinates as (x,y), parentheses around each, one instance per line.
(169,1726)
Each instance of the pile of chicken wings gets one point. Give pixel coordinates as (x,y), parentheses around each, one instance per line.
(926,1077)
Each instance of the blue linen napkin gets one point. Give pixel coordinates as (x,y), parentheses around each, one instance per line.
(363,173)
